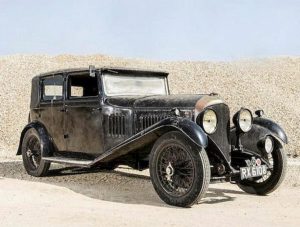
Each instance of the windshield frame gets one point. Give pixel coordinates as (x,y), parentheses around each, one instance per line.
(132,75)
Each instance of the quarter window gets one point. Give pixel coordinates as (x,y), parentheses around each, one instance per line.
(53,88)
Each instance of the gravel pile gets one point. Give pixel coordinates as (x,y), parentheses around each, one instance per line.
(271,84)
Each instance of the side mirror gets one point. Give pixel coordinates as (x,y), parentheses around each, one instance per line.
(92,70)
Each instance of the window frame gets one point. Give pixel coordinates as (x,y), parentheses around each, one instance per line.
(42,88)
(166,82)
(68,87)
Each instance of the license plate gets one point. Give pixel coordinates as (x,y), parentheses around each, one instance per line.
(254,171)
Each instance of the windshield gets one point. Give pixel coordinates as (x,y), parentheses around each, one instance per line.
(124,84)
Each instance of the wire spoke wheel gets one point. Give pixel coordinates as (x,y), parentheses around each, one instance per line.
(33,152)
(274,177)
(175,170)
(179,170)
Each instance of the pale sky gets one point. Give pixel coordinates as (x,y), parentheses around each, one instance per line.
(154,29)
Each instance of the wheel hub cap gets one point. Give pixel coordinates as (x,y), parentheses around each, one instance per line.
(169,171)
(29,153)
(33,152)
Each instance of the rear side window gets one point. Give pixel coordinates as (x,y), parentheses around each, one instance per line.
(82,86)
(52,88)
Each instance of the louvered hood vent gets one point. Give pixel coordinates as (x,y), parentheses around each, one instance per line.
(145,120)
(116,125)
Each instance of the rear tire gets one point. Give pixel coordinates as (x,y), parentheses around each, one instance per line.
(179,170)
(274,180)
(32,154)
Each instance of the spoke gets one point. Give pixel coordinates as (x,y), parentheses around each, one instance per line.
(185,168)
(184,174)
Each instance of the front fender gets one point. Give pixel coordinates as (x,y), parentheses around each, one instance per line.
(260,129)
(193,131)
(46,145)
(273,127)
(189,128)
(148,136)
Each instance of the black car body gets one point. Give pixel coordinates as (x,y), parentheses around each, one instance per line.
(110,116)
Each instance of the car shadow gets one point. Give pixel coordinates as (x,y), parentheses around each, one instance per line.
(122,185)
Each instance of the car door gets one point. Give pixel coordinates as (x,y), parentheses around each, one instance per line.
(52,108)
(83,117)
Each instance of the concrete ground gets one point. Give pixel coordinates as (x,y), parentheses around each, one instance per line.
(73,197)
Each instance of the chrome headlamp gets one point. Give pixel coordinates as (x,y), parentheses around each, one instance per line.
(268,144)
(208,120)
(243,120)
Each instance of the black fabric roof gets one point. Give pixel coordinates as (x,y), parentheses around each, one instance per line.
(112,69)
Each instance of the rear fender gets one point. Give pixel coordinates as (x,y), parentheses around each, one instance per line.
(45,140)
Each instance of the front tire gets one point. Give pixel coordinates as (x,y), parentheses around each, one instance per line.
(32,154)
(274,179)
(179,170)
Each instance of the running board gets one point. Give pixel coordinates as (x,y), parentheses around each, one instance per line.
(69,161)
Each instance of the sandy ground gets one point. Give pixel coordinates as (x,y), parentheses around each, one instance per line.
(125,197)
(75,197)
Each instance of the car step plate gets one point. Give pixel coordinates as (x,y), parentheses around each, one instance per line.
(253,171)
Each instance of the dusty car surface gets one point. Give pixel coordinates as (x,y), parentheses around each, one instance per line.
(106,117)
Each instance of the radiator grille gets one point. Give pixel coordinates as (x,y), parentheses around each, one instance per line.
(116,125)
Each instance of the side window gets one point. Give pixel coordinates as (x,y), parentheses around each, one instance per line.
(52,88)
(82,86)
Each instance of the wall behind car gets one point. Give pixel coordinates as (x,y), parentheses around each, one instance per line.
(272,84)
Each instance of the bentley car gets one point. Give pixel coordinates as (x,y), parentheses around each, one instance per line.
(105,117)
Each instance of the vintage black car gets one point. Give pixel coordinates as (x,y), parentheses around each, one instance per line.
(105,117)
